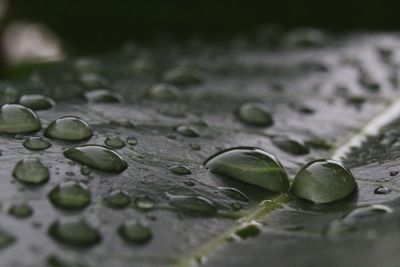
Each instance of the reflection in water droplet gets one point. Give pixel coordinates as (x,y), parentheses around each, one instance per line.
(16,119)
(180,170)
(74,232)
(97,157)
(187,131)
(233,193)
(251,165)
(118,199)
(114,142)
(163,91)
(290,146)
(135,231)
(184,76)
(382,190)
(20,210)
(36,143)
(192,204)
(69,128)
(144,203)
(323,181)
(70,195)
(103,96)
(254,114)
(31,171)
(37,102)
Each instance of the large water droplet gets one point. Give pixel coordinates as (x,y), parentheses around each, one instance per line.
(74,232)
(16,119)
(69,128)
(289,145)
(97,157)
(135,231)
(103,96)
(36,143)
(31,171)
(192,204)
(184,76)
(180,170)
(187,131)
(163,91)
(70,195)
(20,210)
(37,102)
(118,199)
(254,114)
(250,165)
(323,181)
(114,142)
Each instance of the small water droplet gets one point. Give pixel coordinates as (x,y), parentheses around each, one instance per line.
(187,131)
(192,204)
(131,141)
(37,102)
(248,230)
(195,147)
(233,193)
(31,171)
(6,239)
(114,142)
(74,232)
(15,119)
(250,165)
(103,96)
(97,157)
(118,199)
(135,231)
(254,114)
(69,128)
(85,170)
(184,76)
(180,170)
(56,261)
(144,203)
(367,212)
(290,146)
(70,195)
(382,190)
(20,210)
(394,173)
(36,143)
(163,91)
(323,181)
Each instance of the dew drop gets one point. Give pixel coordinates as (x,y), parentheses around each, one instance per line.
(382,190)
(187,131)
(118,199)
(74,232)
(85,170)
(180,170)
(21,210)
(56,261)
(394,173)
(69,128)
(6,239)
(103,96)
(248,230)
(192,204)
(184,76)
(250,165)
(254,114)
(367,212)
(15,119)
(135,231)
(323,181)
(144,203)
(163,91)
(37,102)
(36,143)
(114,142)
(70,195)
(97,157)
(290,146)
(131,141)
(31,171)
(233,193)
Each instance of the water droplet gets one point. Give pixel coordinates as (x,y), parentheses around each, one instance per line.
(367,212)
(382,190)
(131,140)
(55,261)
(290,146)
(135,231)
(74,232)
(93,80)
(187,131)
(85,170)
(97,157)
(394,173)
(118,199)
(103,96)
(163,91)
(6,239)
(250,165)
(36,143)
(180,170)
(248,230)
(20,210)
(114,142)
(37,102)
(254,114)
(184,76)
(233,193)
(31,171)
(323,181)
(70,195)
(195,147)
(144,203)
(192,204)
(69,128)
(16,119)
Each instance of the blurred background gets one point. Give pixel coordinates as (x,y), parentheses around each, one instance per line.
(37,31)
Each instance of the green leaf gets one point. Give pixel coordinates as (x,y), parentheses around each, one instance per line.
(201,217)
